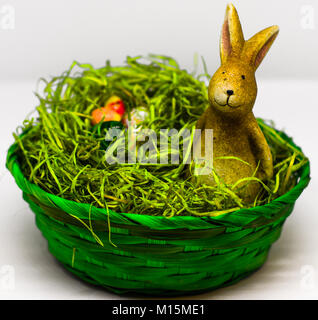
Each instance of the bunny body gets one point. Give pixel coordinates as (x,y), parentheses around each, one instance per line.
(239,146)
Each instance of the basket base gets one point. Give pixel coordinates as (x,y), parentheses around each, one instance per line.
(147,292)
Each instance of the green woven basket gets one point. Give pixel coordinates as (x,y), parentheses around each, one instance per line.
(152,254)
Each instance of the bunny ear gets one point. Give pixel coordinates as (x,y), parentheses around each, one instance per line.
(232,39)
(256,48)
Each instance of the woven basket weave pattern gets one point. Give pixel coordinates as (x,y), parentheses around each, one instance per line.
(156,255)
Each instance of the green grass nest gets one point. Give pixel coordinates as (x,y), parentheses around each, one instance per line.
(59,153)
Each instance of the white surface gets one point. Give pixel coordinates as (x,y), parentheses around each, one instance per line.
(291,271)
(49,35)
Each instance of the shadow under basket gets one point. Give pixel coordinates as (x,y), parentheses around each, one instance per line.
(155,255)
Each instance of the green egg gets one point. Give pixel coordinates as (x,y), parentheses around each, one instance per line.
(99,130)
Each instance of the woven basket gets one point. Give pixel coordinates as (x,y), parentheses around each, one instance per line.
(152,254)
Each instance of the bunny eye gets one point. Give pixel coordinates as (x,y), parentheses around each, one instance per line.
(243,77)
(223,72)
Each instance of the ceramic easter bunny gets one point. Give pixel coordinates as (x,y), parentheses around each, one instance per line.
(232,93)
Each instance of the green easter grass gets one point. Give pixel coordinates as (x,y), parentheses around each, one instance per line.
(59,153)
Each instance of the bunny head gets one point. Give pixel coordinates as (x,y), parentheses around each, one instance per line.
(232,89)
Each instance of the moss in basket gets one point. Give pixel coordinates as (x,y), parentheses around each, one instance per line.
(60,154)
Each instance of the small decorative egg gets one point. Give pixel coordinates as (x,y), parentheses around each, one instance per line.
(137,115)
(116,104)
(113,110)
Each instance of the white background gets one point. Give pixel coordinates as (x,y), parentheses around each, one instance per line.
(48,35)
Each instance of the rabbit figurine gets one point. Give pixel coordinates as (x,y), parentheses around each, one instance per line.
(232,92)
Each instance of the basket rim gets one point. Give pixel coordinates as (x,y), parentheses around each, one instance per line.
(244,217)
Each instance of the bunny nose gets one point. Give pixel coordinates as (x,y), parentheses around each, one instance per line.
(229,92)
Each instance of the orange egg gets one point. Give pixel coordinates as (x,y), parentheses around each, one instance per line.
(112,115)
(105,114)
(113,110)
(97,115)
